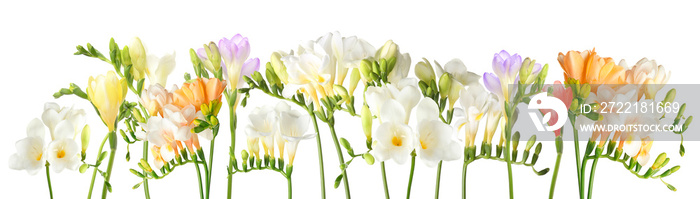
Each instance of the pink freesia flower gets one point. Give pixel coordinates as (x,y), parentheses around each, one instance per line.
(566,95)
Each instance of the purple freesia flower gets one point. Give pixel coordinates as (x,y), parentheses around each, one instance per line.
(505,68)
(234,59)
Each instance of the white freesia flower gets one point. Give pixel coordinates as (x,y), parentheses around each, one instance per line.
(30,150)
(393,138)
(282,107)
(435,141)
(405,92)
(262,126)
(161,132)
(403,61)
(54,114)
(154,98)
(494,116)
(647,72)
(475,103)
(310,72)
(157,68)
(293,126)
(349,53)
(183,119)
(63,151)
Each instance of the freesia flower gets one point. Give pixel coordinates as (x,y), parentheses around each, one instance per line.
(638,148)
(30,150)
(184,119)
(349,53)
(154,98)
(310,72)
(161,132)
(293,126)
(200,91)
(566,95)
(63,152)
(107,92)
(589,68)
(262,125)
(475,102)
(506,68)
(406,92)
(156,68)
(281,107)
(235,52)
(606,93)
(403,61)
(647,72)
(494,116)
(434,137)
(54,114)
(394,139)
(456,71)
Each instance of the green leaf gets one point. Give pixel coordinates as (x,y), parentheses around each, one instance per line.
(337,181)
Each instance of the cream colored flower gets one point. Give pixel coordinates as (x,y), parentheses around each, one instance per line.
(107,92)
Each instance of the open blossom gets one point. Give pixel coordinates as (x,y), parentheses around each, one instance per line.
(30,150)
(200,91)
(638,148)
(54,114)
(589,68)
(349,53)
(184,119)
(293,126)
(107,93)
(406,92)
(494,117)
(457,72)
(651,75)
(475,103)
(262,125)
(506,68)
(63,152)
(394,139)
(154,98)
(282,107)
(566,95)
(310,72)
(435,142)
(235,52)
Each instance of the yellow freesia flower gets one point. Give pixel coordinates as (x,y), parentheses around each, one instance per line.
(107,92)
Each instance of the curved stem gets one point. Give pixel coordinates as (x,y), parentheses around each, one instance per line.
(386,186)
(320,154)
(289,187)
(199,177)
(410,176)
(437,180)
(48,179)
(554,176)
(340,158)
(464,178)
(94,171)
(233,120)
(110,164)
(146,190)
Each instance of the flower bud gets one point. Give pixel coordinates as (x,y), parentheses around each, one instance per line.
(525,70)
(670,96)
(244,155)
(368,158)
(137,54)
(424,71)
(366,121)
(340,90)
(445,85)
(279,67)
(585,91)
(530,142)
(354,79)
(516,140)
(85,138)
(387,51)
(126,57)
(214,62)
(366,69)
(659,160)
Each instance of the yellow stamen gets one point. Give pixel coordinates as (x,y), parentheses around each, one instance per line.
(59,154)
(396,141)
(39,156)
(422,145)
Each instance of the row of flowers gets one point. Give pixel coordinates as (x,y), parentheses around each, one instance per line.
(319,80)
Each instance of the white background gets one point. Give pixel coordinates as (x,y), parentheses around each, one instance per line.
(38,40)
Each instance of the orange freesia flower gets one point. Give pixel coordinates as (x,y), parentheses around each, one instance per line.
(200,91)
(588,67)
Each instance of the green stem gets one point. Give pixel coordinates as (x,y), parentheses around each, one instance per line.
(410,175)
(211,165)
(48,179)
(146,191)
(437,180)
(590,180)
(579,175)
(464,178)
(340,157)
(554,176)
(320,154)
(94,171)
(110,164)
(508,161)
(199,177)
(386,186)
(289,187)
(233,120)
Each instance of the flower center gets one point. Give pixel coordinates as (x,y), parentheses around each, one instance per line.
(39,156)
(423,145)
(60,154)
(396,141)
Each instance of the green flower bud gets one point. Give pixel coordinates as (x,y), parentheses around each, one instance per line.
(366,69)
(85,138)
(670,96)
(516,140)
(340,90)
(659,160)
(525,70)
(354,80)
(244,155)
(424,71)
(445,85)
(366,121)
(279,67)
(585,91)
(368,158)
(530,142)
